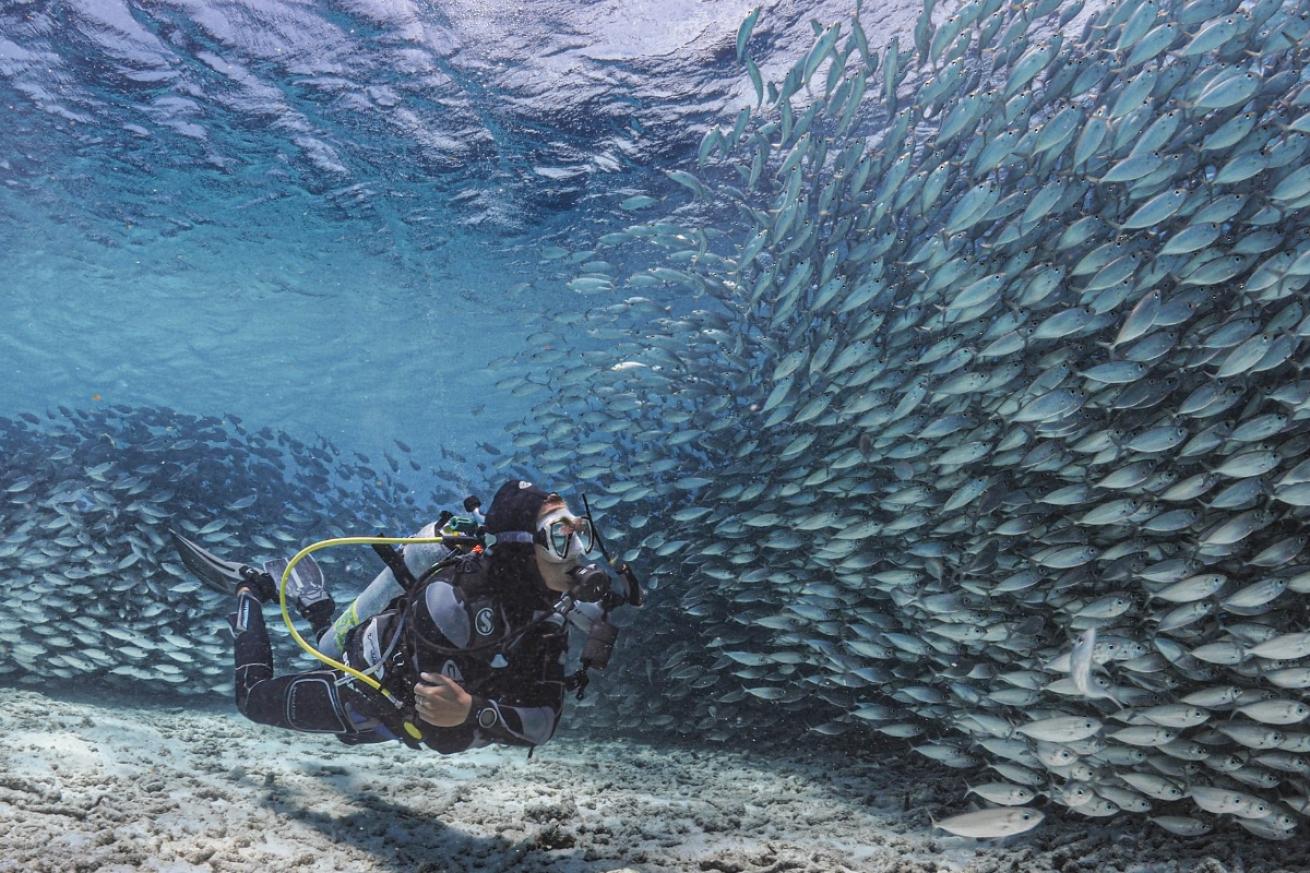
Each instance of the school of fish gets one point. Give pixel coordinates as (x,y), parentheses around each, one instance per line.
(95,595)
(988,433)
(985,438)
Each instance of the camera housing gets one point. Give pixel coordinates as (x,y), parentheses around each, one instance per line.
(590,583)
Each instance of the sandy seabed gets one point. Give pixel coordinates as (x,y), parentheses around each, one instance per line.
(108,787)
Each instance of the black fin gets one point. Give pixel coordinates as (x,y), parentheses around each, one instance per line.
(216,573)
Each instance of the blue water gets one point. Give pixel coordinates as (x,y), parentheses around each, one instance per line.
(367,221)
(330,218)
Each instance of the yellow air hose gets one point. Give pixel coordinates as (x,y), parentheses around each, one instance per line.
(410,728)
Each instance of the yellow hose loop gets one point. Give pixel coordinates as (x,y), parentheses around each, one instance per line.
(295,634)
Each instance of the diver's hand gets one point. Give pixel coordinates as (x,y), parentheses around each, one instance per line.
(442,701)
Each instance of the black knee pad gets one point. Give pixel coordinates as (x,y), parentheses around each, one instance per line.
(313,704)
(301,701)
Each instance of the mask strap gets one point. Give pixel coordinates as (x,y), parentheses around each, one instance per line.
(514,536)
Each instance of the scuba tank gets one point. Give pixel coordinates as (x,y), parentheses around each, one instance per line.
(458,533)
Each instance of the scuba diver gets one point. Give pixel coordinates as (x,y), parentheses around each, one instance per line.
(460,642)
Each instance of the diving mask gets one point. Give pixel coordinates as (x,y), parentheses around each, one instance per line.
(564,537)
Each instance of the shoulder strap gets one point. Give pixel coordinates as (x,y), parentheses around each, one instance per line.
(475,580)
(470,573)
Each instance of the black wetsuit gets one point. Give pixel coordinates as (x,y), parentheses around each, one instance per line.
(463,630)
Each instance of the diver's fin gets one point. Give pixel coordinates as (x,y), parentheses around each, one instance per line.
(220,575)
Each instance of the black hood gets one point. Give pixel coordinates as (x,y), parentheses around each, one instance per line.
(515,507)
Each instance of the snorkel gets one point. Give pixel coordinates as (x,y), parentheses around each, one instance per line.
(588,577)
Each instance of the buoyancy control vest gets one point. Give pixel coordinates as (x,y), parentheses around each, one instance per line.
(452,621)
